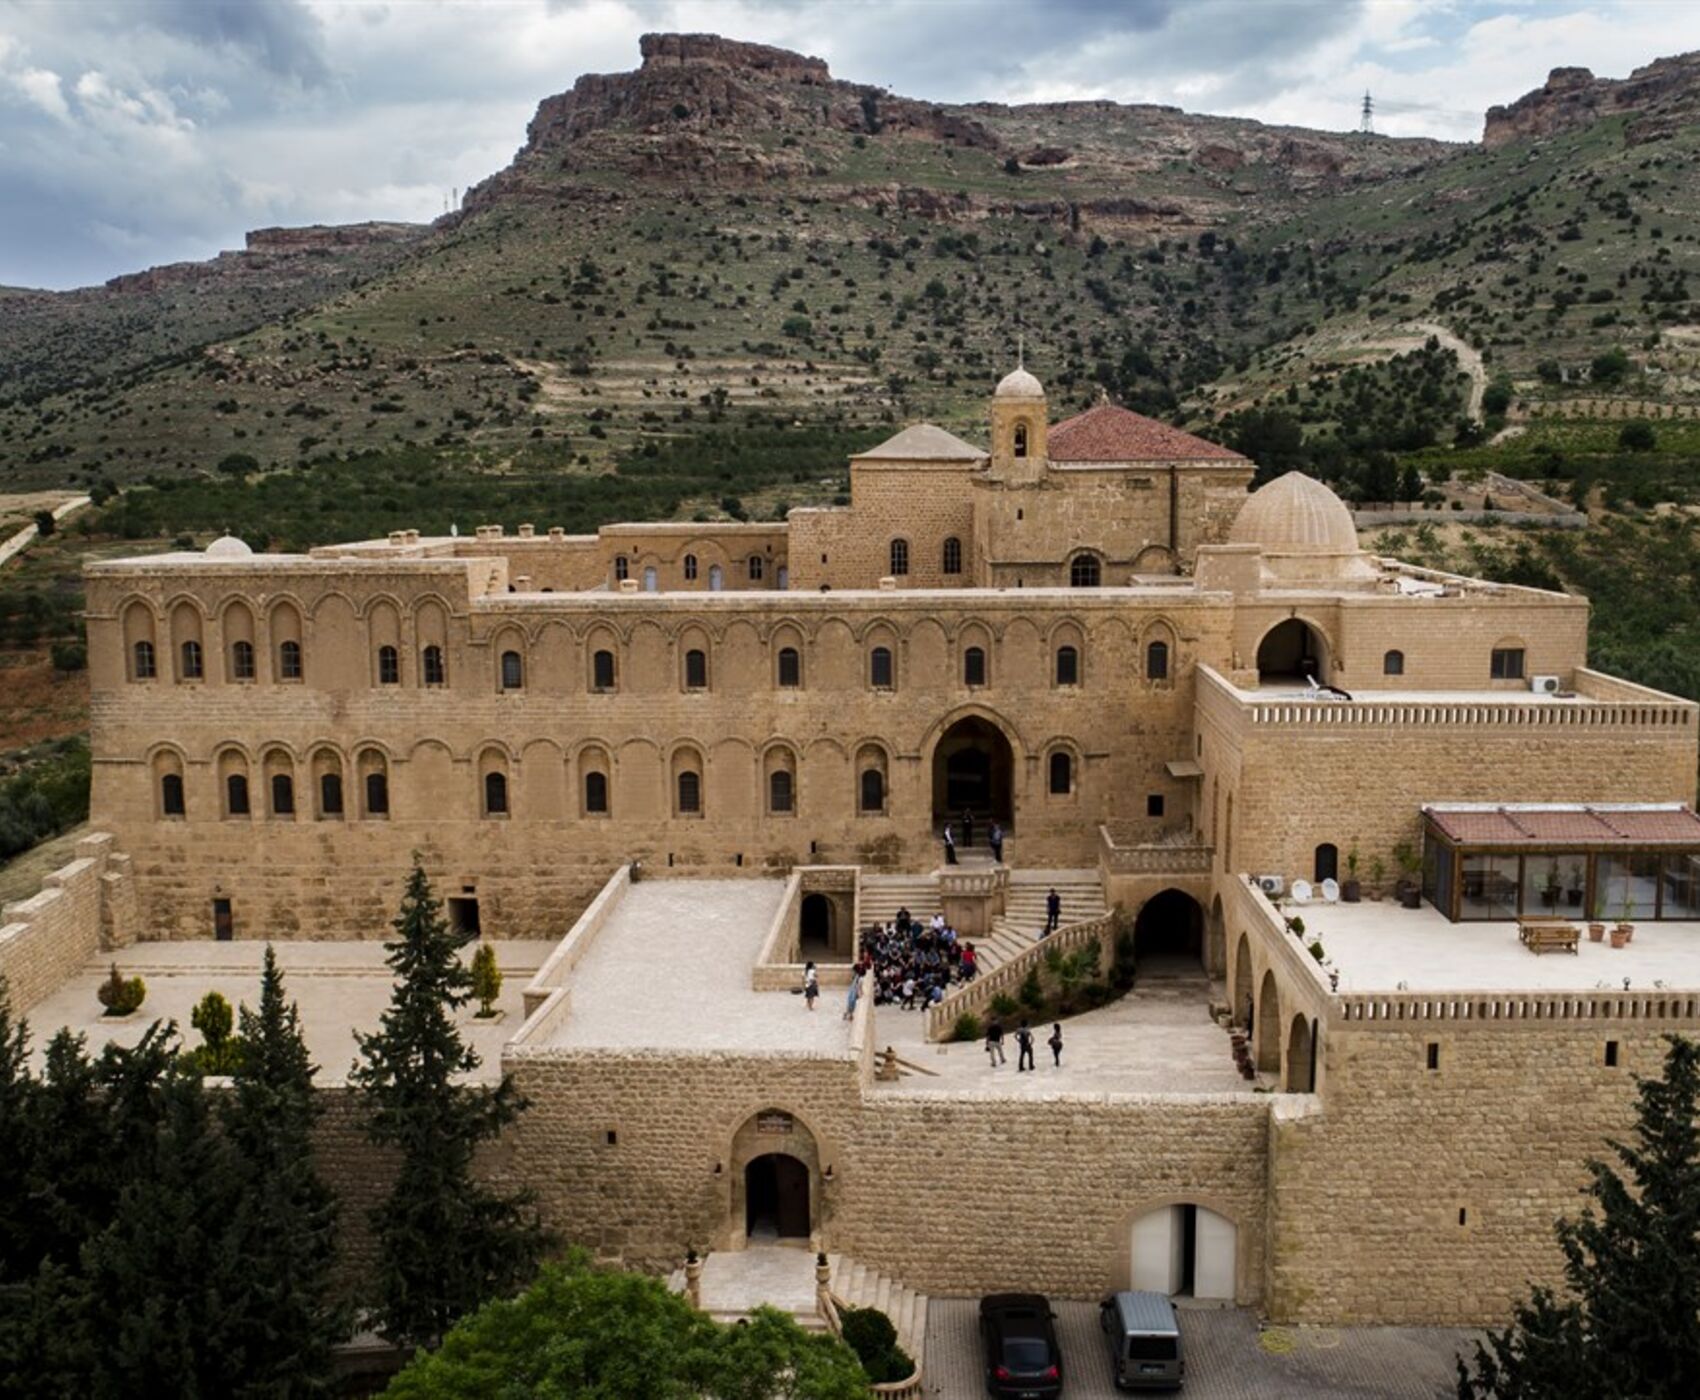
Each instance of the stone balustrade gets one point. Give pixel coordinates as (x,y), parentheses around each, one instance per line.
(1120,856)
(1006,979)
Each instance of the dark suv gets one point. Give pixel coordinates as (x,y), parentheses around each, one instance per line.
(1020,1346)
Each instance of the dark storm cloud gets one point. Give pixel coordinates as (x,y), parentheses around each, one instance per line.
(281,36)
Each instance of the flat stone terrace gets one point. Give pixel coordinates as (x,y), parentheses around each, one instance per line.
(1159,1039)
(340,988)
(670,970)
(1380,947)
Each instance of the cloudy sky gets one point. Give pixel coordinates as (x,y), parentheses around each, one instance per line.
(135,132)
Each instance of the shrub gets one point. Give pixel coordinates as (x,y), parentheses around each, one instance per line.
(868,1332)
(967,1027)
(486,979)
(1005,1005)
(1032,994)
(1638,437)
(121,996)
(1316,949)
(69,657)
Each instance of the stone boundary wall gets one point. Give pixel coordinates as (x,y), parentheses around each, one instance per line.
(777,967)
(81,908)
(549,984)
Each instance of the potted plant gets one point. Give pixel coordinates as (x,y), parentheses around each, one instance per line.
(1377,872)
(121,996)
(1296,927)
(1625,911)
(1409,890)
(1351,892)
(1597,917)
(1551,888)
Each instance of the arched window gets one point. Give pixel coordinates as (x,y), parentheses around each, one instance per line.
(716,578)
(622,569)
(1157,661)
(974,666)
(755,567)
(495,794)
(330,794)
(900,557)
(690,568)
(873,790)
(602,671)
(690,792)
(283,795)
(389,666)
(1325,864)
(596,792)
(1068,666)
(782,578)
(144,661)
(289,661)
(1062,774)
(952,560)
(192,667)
(651,579)
(1084,571)
(696,669)
(779,791)
(236,795)
(513,671)
(1020,439)
(171,795)
(1393,664)
(879,668)
(377,795)
(241,661)
(790,668)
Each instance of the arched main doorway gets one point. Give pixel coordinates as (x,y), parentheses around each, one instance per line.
(974,771)
(1168,936)
(776,1198)
(1186,1251)
(815,927)
(1292,651)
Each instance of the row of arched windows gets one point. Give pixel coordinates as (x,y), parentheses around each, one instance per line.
(276,790)
(755,569)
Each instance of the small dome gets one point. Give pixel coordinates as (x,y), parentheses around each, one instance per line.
(1296,514)
(1019,384)
(228,547)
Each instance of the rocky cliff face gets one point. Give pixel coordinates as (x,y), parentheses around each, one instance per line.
(321,238)
(1659,97)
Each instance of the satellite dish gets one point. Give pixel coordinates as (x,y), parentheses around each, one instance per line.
(1301,891)
(1331,891)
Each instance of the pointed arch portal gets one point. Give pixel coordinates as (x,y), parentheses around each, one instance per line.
(974,771)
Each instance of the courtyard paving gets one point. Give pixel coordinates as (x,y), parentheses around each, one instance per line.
(670,970)
(340,987)
(1227,1357)
(1159,1039)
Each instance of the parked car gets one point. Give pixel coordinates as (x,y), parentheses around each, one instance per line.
(1144,1338)
(1017,1335)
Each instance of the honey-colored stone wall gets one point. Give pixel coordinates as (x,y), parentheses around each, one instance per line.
(51,935)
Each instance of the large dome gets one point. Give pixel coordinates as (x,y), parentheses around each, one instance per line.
(1295,514)
(1019,384)
(228,547)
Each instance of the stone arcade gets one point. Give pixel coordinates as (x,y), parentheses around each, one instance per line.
(663,764)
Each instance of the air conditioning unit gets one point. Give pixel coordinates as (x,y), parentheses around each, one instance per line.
(1544,685)
(1272,884)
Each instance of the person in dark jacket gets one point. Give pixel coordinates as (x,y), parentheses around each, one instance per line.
(1053,910)
(1024,1044)
(1055,1042)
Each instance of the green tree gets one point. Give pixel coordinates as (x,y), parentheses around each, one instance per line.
(213,1018)
(1631,1267)
(445,1243)
(69,657)
(486,979)
(1610,367)
(285,1319)
(45,524)
(1637,436)
(1496,398)
(583,1332)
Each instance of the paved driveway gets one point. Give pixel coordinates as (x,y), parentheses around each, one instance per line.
(1227,1358)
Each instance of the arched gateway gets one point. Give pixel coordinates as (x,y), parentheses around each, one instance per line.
(974,771)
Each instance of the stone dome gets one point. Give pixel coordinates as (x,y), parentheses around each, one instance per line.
(228,547)
(1296,514)
(1019,384)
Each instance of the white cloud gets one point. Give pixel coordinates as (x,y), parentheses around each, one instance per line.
(42,88)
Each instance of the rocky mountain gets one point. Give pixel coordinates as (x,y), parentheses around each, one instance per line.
(730,235)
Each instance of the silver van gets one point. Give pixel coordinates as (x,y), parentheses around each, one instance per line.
(1144,1338)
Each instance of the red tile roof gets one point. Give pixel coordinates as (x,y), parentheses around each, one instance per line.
(1110,433)
(1561,826)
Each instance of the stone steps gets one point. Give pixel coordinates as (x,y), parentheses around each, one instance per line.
(858,1286)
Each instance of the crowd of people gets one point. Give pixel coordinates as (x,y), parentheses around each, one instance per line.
(910,963)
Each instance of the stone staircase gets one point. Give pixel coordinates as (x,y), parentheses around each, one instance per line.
(858,1286)
(1016,929)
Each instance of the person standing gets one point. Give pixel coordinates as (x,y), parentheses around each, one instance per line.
(1055,1042)
(994,1042)
(949,846)
(1053,910)
(1024,1044)
(854,993)
(811,985)
(967,827)
(995,838)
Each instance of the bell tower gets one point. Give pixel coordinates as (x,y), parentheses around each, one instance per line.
(1019,419)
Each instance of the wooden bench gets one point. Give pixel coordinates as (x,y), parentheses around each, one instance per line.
(1548,935)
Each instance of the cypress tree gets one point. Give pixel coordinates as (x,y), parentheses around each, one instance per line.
(1631,1263)
(283,1314)
(446,1243)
